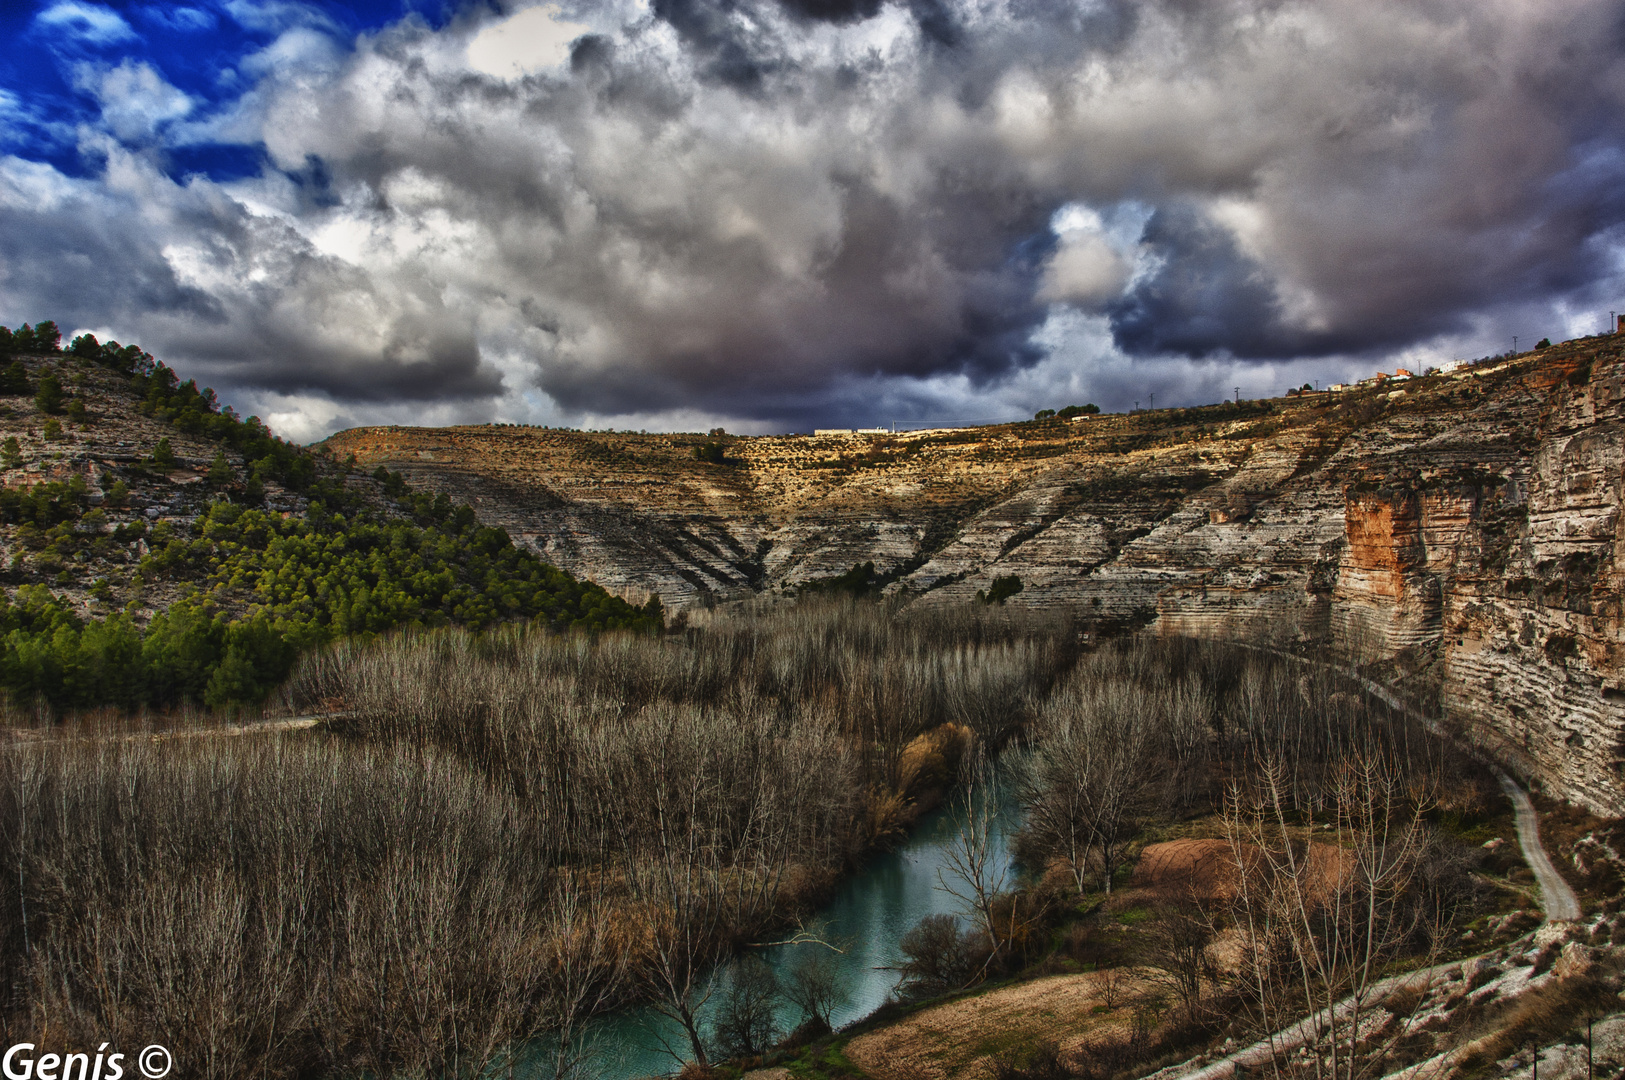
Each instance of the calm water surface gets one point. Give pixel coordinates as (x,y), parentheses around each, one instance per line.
(867,917)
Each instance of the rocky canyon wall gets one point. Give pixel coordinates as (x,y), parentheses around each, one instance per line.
(1458,534)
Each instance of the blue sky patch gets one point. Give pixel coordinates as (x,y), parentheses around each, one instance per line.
(63,48)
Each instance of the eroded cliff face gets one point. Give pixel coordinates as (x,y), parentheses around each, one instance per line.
(1459,534)
(1532,645)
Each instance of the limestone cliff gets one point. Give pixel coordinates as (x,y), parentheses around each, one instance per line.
(1459,533)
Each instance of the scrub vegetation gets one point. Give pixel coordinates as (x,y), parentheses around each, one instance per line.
(251,586)
(1226,840)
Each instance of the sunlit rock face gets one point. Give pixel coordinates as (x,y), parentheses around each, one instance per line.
(1461,536)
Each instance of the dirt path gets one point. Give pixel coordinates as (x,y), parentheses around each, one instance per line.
(218,731)
(1307,1030)
(1557,900)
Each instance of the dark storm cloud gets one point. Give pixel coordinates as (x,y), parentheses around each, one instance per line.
(727,45)
(1205,297)
(780,209)
(866,316)
(832,11)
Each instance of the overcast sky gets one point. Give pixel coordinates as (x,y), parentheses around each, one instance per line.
(780,214)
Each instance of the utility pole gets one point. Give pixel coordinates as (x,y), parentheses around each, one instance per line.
(1153,401)
(1136,406)
(1514,343)
(1238,395)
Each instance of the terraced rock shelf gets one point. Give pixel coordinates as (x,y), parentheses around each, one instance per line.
(1460,532)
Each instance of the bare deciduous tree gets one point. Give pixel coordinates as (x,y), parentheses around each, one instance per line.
(1086,780)
(814,987)
(1323,920)
(747,1021)
(978,870)
(1178,950)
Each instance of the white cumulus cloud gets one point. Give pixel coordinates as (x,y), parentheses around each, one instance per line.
(533,40)
(94,24)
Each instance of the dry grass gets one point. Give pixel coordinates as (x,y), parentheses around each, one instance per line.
(956,1040)
(1205,870)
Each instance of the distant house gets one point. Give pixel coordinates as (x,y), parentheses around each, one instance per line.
(1401,373)
(832,431)
(1336,387)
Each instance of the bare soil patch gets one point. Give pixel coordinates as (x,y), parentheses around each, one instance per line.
(956,1040)
(1205,870)
(1187,869)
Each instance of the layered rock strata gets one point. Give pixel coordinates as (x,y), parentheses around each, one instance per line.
(1461,531)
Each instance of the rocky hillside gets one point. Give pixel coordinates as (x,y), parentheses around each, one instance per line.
(1460,532)
(163,552)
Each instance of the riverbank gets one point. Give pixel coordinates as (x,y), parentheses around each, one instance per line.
(490,838)
(1484,998)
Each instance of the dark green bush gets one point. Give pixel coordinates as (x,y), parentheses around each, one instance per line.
(162,456)
(14,379)
(1001,590)
(48,395)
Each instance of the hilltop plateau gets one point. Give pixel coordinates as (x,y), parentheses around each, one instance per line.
(1457,533)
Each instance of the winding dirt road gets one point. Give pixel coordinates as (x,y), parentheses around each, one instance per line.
(1557,900)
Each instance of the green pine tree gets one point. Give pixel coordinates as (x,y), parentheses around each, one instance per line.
(220,471)
(14,379)
(48,395)
(162,456)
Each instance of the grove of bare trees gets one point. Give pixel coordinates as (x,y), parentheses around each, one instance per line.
(1149,728)
(495,837)
(1337,871)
